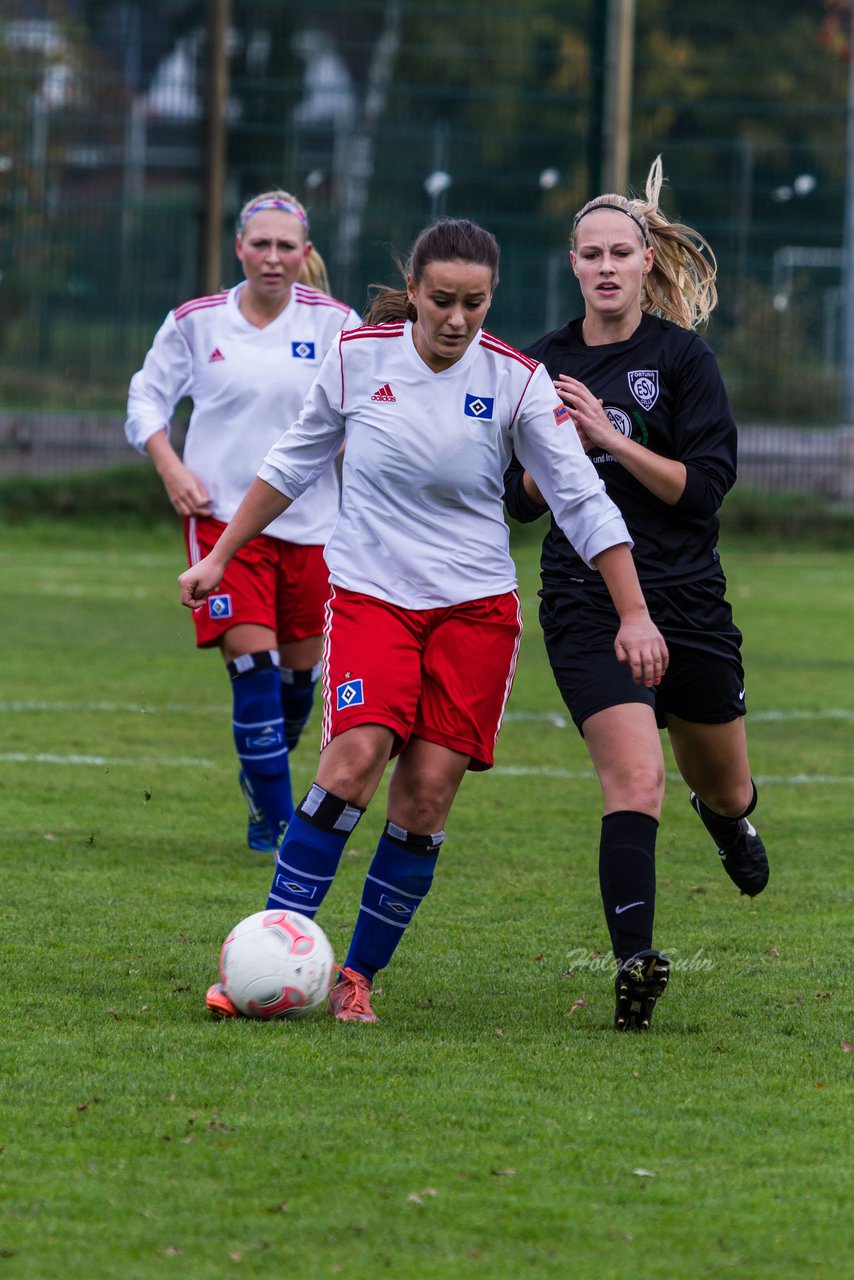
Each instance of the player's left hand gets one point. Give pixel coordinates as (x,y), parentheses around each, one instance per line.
(641,645)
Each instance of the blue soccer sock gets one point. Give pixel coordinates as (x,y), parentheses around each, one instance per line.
(399,879)
(308,856)
(297,700)
(259,735)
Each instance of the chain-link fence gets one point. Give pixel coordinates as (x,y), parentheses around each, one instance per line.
(381,114)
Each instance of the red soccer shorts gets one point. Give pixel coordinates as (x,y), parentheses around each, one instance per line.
(270,583)
(443,675)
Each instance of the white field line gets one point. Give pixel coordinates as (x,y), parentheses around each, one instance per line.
(557,719)
(587,775)
(106,762)
(500,771)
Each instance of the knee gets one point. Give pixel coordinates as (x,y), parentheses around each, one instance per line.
(424,807)
(639,786)
(351,771)
(728,799)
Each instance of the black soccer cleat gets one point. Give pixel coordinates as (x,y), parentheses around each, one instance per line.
(641,981)
(741,849)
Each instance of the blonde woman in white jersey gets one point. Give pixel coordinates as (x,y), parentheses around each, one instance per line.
(246,357)
(423,624)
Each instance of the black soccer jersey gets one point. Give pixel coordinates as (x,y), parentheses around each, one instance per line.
(661,387)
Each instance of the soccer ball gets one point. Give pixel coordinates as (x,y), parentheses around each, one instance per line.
(276,964)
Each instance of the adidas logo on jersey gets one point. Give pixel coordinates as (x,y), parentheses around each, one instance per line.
(384,395)
(215,355)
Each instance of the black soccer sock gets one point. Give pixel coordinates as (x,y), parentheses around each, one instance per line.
(719,827)
(297,699)
(627,879)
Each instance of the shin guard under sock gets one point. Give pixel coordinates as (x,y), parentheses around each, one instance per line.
(627,879)
(297,699)
(308,856)
(399,878)
(259,736)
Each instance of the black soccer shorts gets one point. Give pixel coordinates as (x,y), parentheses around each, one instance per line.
(704,681)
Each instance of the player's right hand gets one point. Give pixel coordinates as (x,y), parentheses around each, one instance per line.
(200,580)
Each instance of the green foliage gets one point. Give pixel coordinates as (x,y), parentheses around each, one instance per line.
(491,1124)
(125,493)
(779,518)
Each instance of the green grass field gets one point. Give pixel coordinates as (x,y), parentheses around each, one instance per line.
(491,1124)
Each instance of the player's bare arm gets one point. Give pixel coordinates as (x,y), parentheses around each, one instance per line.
(665,477)
(183,487)
(639,643)
(260,506)
(532,489)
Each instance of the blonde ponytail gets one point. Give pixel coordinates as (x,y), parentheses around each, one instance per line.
(681,283)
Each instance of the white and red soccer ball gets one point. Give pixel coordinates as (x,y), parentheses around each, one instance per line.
(276,964)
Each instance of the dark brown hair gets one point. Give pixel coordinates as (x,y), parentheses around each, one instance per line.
(448,240)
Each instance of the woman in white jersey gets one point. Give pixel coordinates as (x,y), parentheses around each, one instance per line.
(246,357)
(423,623)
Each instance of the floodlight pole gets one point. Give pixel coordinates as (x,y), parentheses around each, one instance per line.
(848,255)
(617,95)
(216,96)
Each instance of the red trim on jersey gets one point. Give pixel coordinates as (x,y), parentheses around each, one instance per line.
(392,329)
(492,343)
(198,304)
(521,398)
(311,297)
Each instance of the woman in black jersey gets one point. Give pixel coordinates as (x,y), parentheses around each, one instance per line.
(650,407)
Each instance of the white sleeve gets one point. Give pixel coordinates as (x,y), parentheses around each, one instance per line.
(305,450)
(166,375)
(547,444)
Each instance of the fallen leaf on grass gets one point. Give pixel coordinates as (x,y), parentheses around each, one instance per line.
(580,1003)
(643,1173)
(847,1046)
(773,952)
(416,1196)
(503,1173)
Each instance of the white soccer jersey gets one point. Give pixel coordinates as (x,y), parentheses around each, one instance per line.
(247,386)
(422,516)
